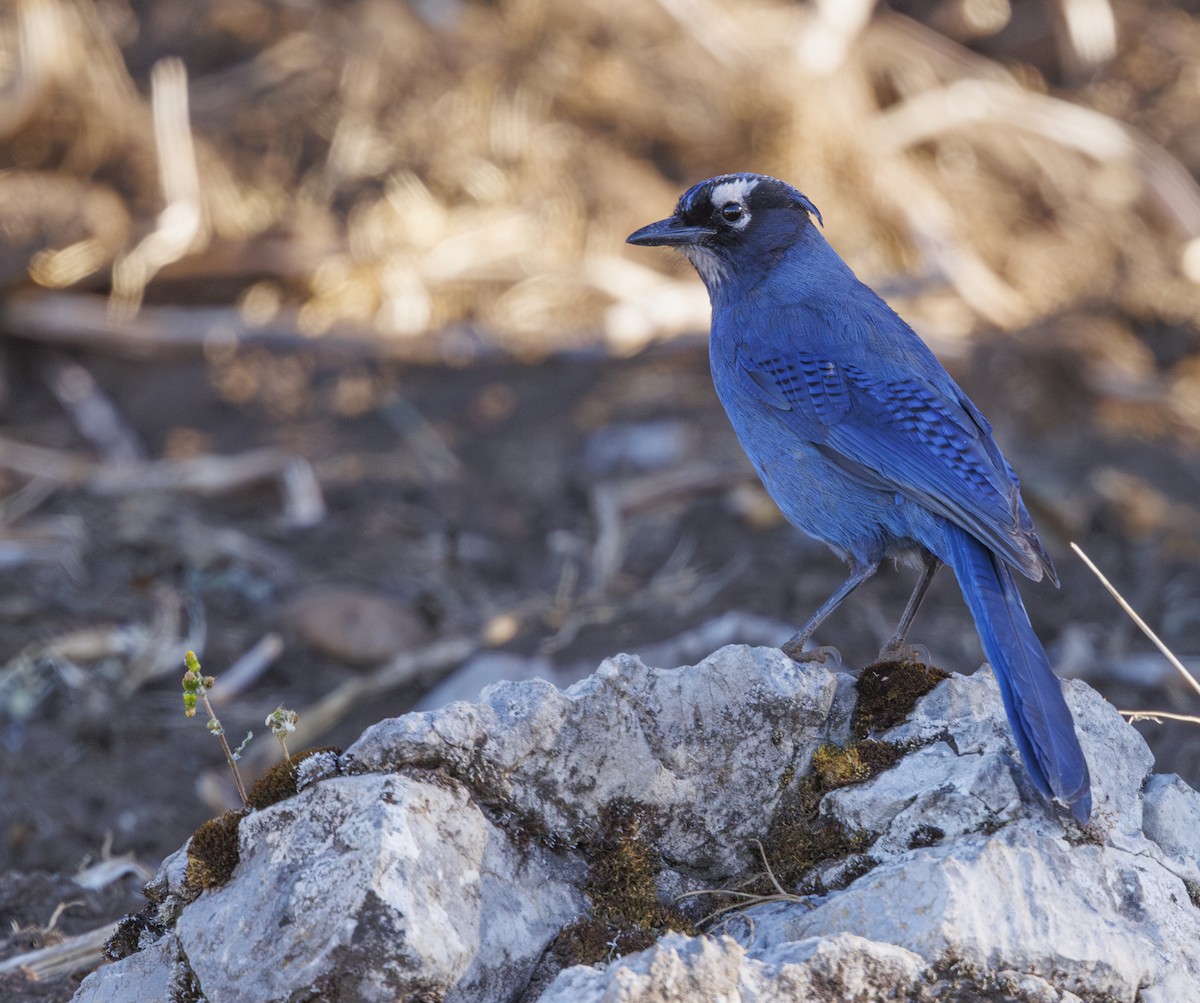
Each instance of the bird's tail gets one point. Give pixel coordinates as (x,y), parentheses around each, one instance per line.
(1032,693)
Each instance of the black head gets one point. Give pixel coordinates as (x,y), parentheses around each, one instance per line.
(723,215)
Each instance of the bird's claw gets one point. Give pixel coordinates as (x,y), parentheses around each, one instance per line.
(827,656)
(904,653)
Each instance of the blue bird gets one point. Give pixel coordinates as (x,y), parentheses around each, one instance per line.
(865,442)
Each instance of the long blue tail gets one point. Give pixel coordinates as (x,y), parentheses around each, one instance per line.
(1032,693)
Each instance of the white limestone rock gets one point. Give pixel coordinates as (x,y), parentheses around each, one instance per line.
(156,973)
(709,747)
(373,887)
(843,968)
(451,852)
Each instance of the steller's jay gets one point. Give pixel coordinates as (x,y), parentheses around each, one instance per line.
(866,443)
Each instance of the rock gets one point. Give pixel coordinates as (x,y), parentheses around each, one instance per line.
(510,850)
(1171,817)
(156,973)
(708,748)
(469,680)
(354,625)
(842,968)
(1092,919)
(380,888)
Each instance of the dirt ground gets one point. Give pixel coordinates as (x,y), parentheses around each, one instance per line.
(468,498)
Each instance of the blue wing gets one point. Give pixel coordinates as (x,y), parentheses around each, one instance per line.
(915,435)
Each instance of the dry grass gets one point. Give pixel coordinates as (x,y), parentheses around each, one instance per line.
(362,168)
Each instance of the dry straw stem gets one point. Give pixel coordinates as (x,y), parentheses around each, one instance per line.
(181,226)
(1158,716)
(745,899)
(80,953)
(1139,715)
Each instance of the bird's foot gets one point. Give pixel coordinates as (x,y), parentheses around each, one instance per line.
(904,653)
(827,656)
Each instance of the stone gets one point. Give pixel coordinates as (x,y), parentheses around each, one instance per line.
(708,747)
(457,854)
(375,887)
(840,969)
(354,625)
(156,973)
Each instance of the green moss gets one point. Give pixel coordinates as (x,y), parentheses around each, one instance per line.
(213,852)
(589,941)
(623,866)
(131,932)
(279,782)
(833,766)
(798,843)
(786,778)
(887,692)
(800,839)
(836,766)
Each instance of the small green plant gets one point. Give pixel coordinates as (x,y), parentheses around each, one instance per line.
(195,690)
(282,723)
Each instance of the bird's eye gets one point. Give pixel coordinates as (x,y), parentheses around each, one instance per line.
(731,212)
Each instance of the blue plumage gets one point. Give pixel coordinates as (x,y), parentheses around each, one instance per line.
(865,442)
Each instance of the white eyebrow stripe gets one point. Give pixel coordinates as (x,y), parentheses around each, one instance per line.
(735,190)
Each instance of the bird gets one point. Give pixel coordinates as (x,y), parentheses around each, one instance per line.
(866,443)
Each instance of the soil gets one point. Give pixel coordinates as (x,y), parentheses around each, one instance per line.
(465,496)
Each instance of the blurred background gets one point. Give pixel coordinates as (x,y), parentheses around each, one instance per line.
(323,354)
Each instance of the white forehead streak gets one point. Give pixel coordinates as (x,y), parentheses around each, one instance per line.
(735,190)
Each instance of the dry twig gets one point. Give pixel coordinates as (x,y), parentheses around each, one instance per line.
(75,954)
(1142,625)
(303,500)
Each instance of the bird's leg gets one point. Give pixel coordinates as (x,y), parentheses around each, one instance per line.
(895,644)
(794,648)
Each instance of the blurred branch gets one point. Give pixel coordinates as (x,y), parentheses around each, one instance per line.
(718,31)
(83,321)
(827,41)
(303,502)
(94,414)
(612,504)
(984,102)
(931,222)
(1088,35)
(244,672)
(420,667)
(42,54)
(181,225)
(409,195)
(80,953)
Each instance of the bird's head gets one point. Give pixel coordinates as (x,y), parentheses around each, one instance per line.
(733,225)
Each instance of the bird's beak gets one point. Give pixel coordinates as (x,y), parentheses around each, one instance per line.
(671,232)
